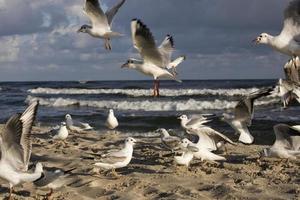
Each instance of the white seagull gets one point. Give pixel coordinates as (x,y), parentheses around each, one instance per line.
(187,154)
(101,22)
(170,142)
(62,132)
(75,125)
(53,179)
(287,143)
(209,138)
(16,146)
(195,122)
(111,121)
(288,91)
(118,159)
(287,42)
(201,152)
(243,115)
(155,60)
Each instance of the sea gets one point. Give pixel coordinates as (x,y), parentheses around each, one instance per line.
(135,107)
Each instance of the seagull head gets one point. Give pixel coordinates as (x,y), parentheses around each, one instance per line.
(262,39)
(84,29)
(185,143)
(162,132)
(39,168)
(63,124)
(131,141)
(111,111)
(183,118)
(68,116)
(131,63)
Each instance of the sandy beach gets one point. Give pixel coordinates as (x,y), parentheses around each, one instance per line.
(152,173)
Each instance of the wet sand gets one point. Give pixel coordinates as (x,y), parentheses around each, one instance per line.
(152,173)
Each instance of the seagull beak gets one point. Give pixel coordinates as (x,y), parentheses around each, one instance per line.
(124,65)
(256,40)
(79,30)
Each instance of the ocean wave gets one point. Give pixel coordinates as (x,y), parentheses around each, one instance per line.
(145,105)
(147,92)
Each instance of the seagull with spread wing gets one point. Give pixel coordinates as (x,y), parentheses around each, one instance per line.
(243,115)
(209,138)
(287,143)
(156,61)
(288,41)
(16,146)
(101,22)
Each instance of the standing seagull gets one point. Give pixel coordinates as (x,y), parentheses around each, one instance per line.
(15,142)
(111,121)
(76,126)
(155,60)
(243,115)
(62,132)
(101,22)
(170,142)
(287,143)
(118,159)
(287,42)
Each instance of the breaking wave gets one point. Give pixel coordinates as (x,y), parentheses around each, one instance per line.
(145,105)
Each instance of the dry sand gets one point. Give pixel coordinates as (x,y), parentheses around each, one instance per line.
(153,175)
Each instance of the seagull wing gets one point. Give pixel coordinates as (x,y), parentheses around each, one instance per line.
(291,26)
(171,141)
(144,42)
(215,135)
(166,49)
(95,13)
(16,138)
(113,11)
(114,157)
(244,109)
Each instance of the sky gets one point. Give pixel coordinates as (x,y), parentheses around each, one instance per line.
(39,40)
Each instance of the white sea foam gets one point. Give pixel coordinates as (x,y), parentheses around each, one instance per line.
(145,105)
(146,92)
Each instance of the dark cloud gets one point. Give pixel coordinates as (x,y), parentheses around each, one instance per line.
(39,39)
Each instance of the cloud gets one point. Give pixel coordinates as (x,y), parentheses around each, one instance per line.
(39,38)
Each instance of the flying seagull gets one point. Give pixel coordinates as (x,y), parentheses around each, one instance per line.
(287,42)
(243,115)
(292,71)
(287,143)
(170,142)
(16,146)
(288,91)
(195,122)
(155,60)
(101,22)
(118,159)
